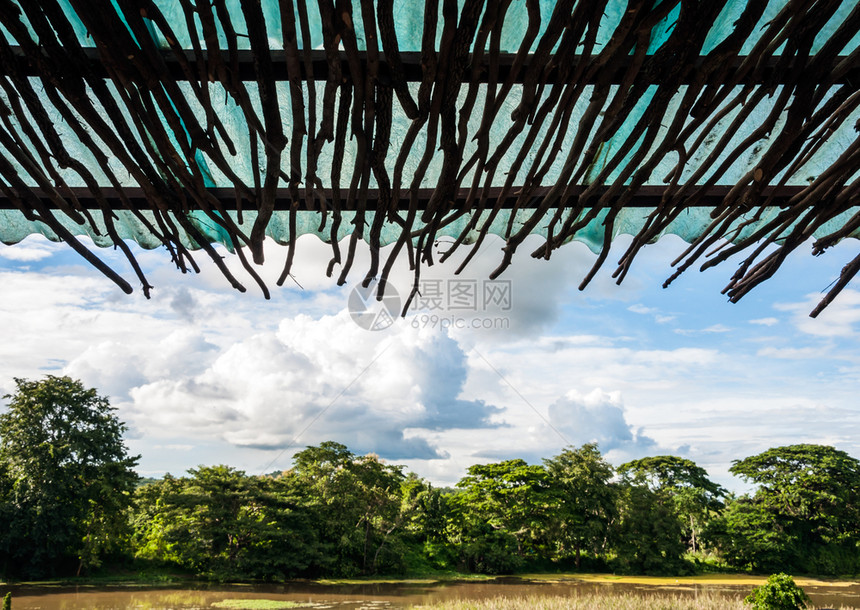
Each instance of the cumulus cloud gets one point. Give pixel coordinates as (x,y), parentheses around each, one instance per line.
(311,380)
(184,304)
(205,374)
(115,365)
(574,418)
(26,254)
(47,320)
(597,416)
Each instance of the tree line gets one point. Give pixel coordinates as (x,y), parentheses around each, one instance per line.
(70,501)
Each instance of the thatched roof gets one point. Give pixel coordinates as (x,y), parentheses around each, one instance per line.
(187,123)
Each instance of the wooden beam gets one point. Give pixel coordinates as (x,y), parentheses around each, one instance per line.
(645,197)
(413,71)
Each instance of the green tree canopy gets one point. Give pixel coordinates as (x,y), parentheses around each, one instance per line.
(69,477)
(686,485)
(586,498)
(804,515)
(802,471)
(357,502)
(502,514)
(662,472)
(646,535)
(225,524)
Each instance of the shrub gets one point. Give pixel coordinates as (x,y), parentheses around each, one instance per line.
(779,593)
(7,602)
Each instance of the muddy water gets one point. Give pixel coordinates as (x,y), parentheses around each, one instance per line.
(371,596)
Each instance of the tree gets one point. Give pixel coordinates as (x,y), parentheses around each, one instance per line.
(646,534)
(586,498)
(7,515)
(427,509)
(69,477)
(379,490)
(427,513)
(225,524)
(752,538)
(694,496)
(804,515)
(357,503)
(503,510)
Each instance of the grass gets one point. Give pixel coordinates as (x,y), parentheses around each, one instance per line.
(706,601)
(597,602)
(699,579)
(258,604)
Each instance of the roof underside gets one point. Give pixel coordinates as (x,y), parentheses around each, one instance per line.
(183,124)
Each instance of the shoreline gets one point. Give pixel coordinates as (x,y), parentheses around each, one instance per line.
(177,580)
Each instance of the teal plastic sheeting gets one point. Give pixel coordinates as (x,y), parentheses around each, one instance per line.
(617,100)
(687,226)
(409,23)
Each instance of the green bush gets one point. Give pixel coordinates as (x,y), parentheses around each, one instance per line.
(492,552)
(779,593)
(7,602)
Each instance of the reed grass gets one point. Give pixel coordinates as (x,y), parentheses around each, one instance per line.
(593,601)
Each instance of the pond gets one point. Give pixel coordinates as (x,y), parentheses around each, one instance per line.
(387,595)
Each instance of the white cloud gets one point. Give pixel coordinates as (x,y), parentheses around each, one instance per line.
(640,308)
(205,374)
(115,366)
(839,319)
(713,329)
(794,353)
(765,321)
(312,380)
(599,417)
(31,249)
(652,311)
(25,254)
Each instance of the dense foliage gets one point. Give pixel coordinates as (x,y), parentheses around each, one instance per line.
(69,499)
(65,479)
(336,513)
(803,517)
(779,593)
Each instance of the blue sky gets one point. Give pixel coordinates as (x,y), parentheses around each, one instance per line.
(203,374)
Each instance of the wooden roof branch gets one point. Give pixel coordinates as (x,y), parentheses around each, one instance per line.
(483,131)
